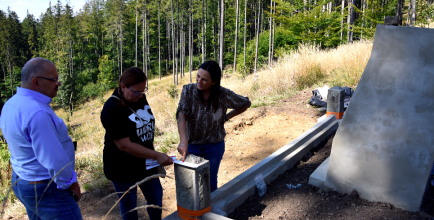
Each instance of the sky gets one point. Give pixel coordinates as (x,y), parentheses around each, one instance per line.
(35,7)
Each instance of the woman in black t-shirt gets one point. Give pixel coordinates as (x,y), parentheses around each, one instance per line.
(129,140)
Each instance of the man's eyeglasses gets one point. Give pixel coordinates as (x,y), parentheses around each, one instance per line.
(138,93)
(56,80)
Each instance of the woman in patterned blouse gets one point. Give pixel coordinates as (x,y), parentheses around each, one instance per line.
(201,115)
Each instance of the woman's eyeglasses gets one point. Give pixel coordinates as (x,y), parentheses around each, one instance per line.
(56,80)
(138,93)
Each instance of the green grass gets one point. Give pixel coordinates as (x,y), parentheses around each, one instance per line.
(169,140)
(5,172)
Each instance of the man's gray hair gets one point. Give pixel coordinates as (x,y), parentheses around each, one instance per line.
(34,67)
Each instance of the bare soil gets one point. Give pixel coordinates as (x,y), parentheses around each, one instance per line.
(251,137)
(308,202)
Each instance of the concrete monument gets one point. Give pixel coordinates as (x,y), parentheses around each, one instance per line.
(384,146)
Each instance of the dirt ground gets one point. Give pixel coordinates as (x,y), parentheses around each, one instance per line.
(250,138)
(308,202)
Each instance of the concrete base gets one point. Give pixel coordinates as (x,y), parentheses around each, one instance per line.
(225,199)
(318,177)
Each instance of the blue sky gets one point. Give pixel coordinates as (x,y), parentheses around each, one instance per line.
(35,7)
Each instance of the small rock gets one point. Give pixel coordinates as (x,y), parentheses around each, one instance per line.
(319,191)
(354,194)
(353,205)
(248,122)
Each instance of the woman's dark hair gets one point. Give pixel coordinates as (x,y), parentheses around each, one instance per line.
(216,74)
(129,77)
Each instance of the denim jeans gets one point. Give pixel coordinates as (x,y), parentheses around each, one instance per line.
(212,152)
(152,191)
(53,204)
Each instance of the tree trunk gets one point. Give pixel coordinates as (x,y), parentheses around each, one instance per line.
(168,45)
(363,18)
(121,40)
(145,57)
(136,30)
(215,27)
(351,17)
(236,39)
(173,45)
(257,37)
(203,31)
(271,32)
(10,71)
(274,34)
(222,34)
(190,41)
(182,46)
(177,57)
(204,41)
(143,41)
(413,13)
(342,21)
(159,41)
(167,54)
(117,52)
(245,28)
(399,12)
(218,25)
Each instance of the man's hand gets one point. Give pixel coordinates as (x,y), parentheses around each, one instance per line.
(75,189)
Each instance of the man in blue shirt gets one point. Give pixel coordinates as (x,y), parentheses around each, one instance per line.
(41,149)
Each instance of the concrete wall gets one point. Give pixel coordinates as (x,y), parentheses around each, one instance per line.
(384,146)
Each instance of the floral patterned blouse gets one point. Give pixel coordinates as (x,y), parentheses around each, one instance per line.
(203,124)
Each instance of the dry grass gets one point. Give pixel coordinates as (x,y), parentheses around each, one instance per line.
(341,66)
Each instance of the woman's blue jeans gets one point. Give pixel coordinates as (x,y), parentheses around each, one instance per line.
(152,191)
(52,204)
(212,152)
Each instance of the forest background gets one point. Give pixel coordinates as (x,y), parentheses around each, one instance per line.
(93,47)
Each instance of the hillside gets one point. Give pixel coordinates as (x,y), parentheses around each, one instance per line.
(279,113)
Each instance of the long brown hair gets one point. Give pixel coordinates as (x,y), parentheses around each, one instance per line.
(216,74)
(130,77)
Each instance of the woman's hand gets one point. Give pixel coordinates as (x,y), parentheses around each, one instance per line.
(164,160)
(182,149)
(183,143)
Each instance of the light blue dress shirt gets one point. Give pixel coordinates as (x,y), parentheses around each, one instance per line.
(37,139)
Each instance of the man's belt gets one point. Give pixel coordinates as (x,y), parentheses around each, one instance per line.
(37,182)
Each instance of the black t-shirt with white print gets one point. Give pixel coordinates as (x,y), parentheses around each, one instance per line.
(120,122)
